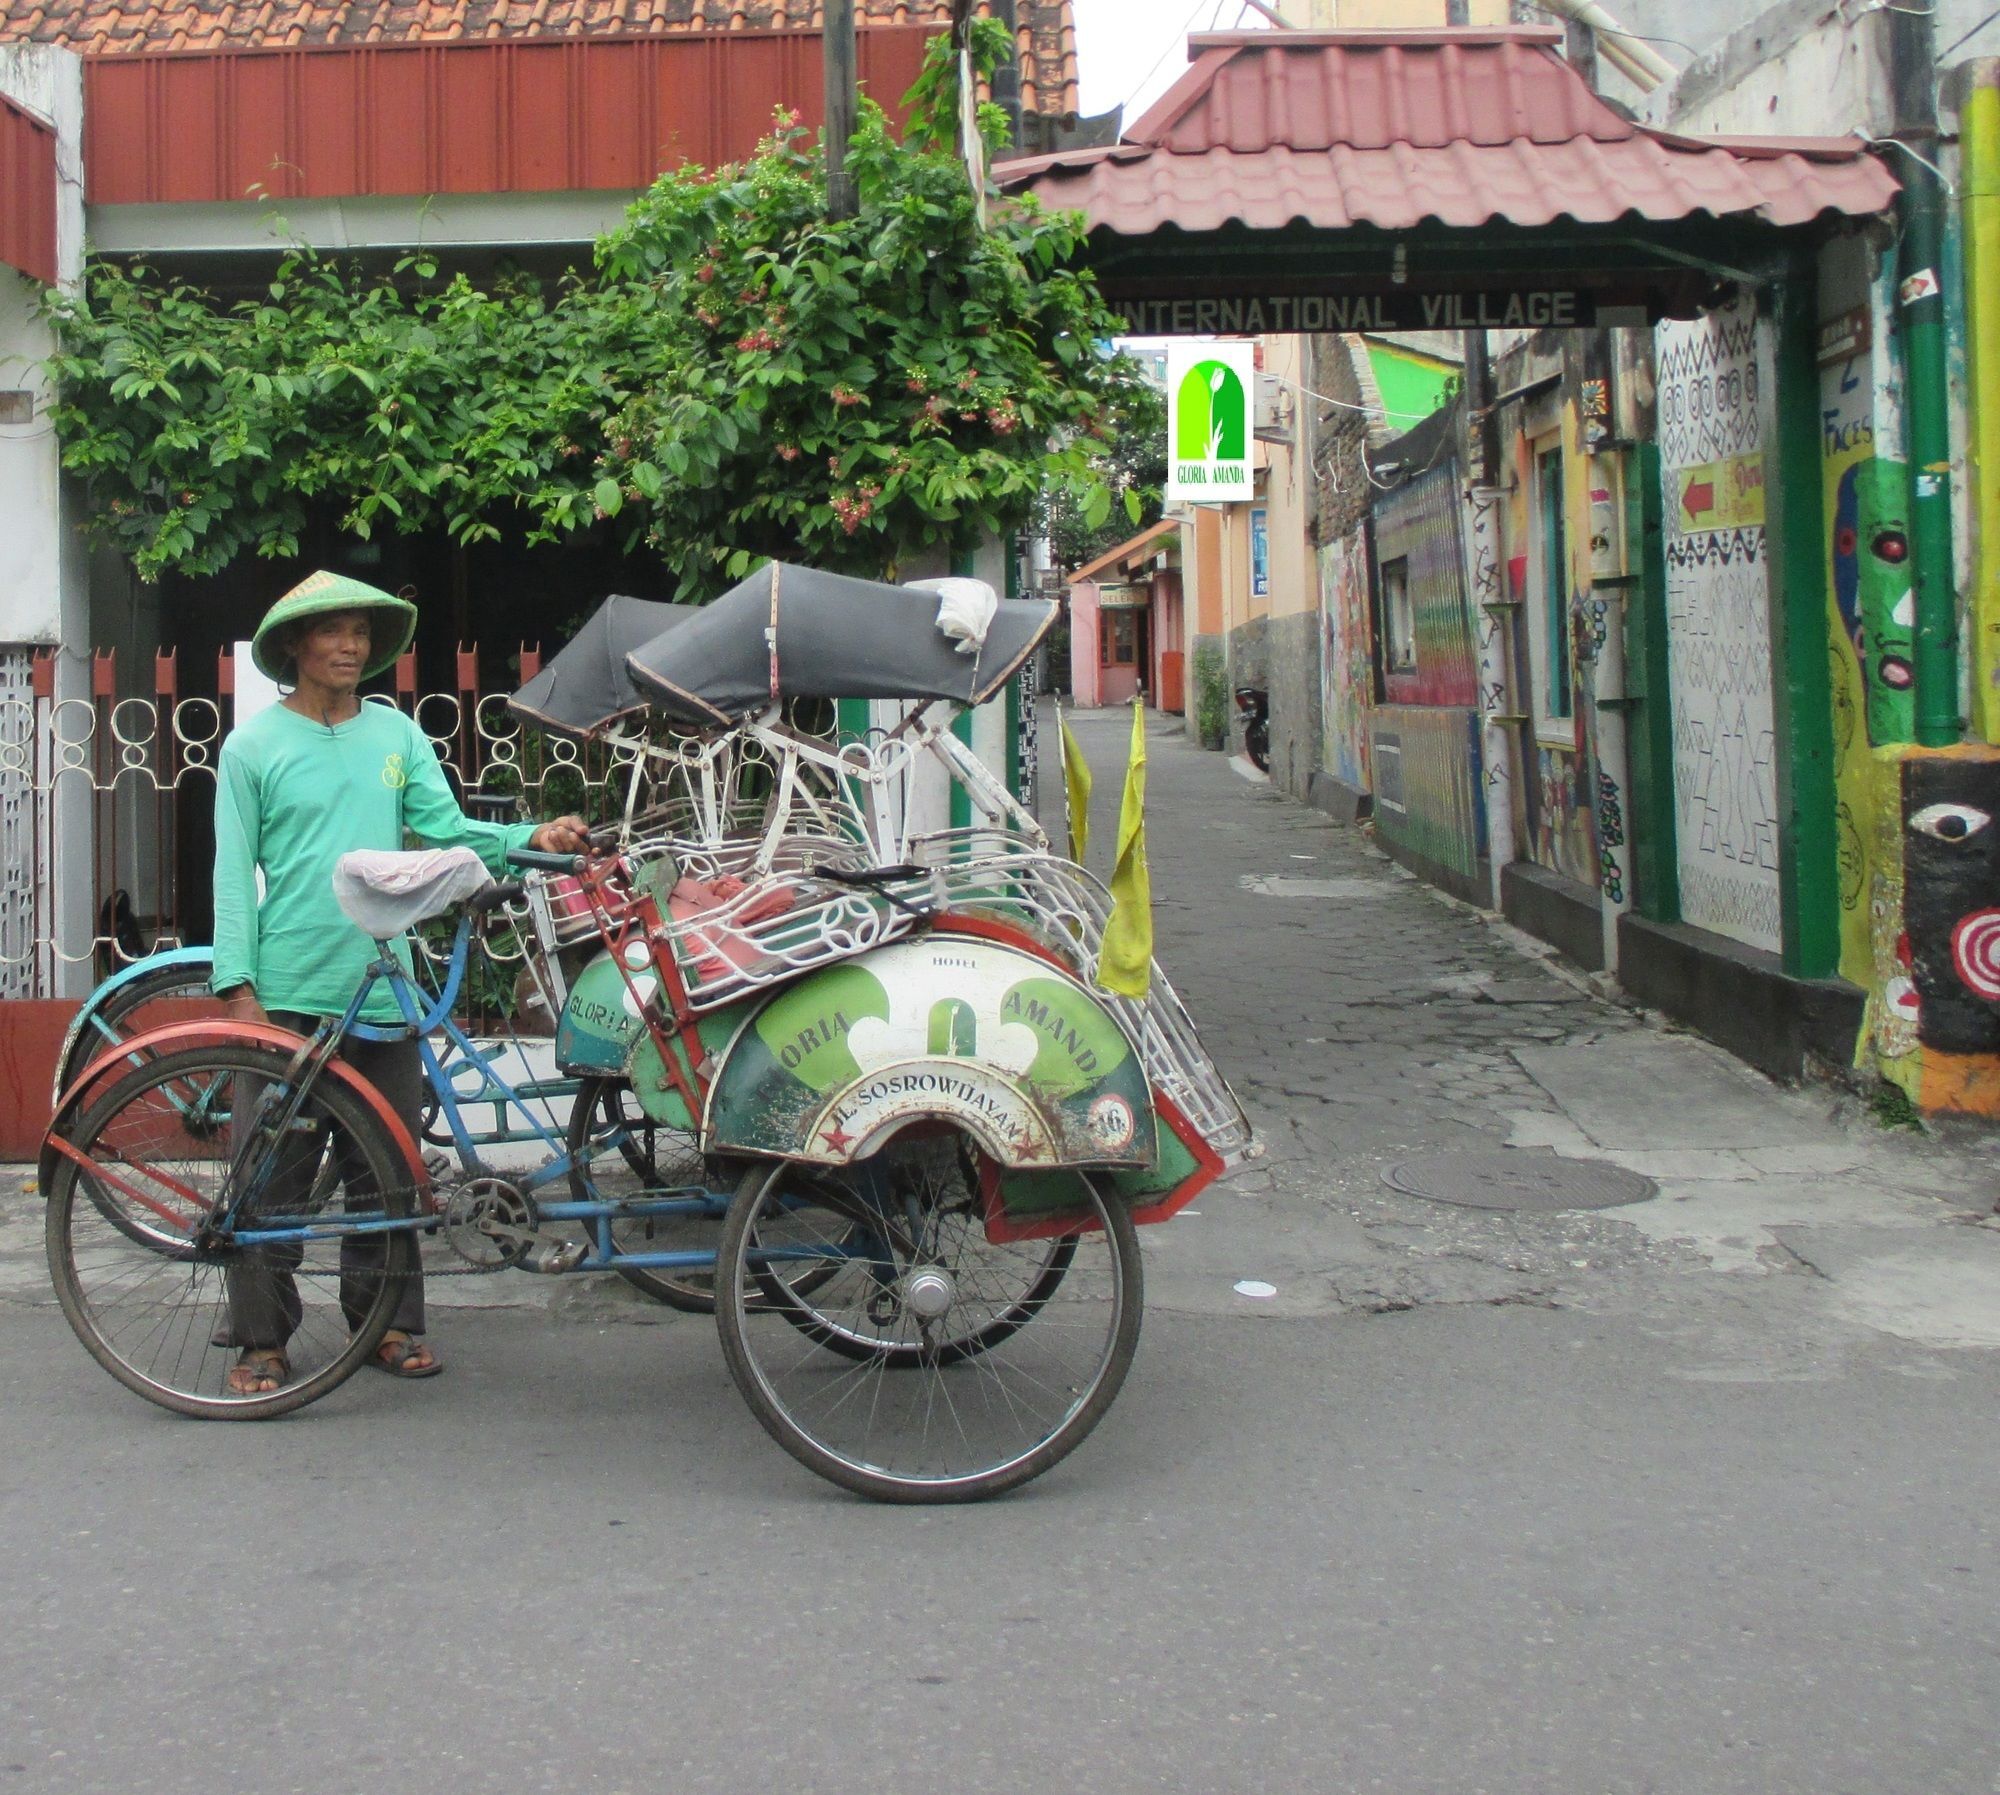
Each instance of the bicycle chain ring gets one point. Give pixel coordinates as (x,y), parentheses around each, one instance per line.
(489,1223)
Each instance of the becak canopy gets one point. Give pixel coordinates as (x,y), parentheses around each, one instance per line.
(585,685)
(795,632)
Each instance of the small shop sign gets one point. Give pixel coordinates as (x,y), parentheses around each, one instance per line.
(1208,421)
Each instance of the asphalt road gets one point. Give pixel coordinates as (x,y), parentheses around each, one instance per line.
(1631,1501)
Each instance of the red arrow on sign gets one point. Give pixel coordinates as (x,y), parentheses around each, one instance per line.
(1699,497)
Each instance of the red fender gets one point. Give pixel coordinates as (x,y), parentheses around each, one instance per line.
(215,1031)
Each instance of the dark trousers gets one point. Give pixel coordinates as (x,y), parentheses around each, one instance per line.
(264,1308)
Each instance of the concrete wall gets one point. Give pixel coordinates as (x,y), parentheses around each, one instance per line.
(1084,684)
(1801,68)
(1292,659)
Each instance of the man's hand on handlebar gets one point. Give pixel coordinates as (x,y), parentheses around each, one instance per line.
(565,835)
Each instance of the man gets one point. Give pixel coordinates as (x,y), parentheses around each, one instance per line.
(314,777)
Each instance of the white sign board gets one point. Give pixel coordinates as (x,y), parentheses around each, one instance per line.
(1209,389)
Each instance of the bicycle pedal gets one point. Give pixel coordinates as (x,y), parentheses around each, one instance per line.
(555,1256)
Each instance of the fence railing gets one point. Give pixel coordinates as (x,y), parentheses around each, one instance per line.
(105,796)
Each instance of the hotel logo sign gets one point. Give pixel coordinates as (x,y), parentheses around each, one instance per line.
(1208,420)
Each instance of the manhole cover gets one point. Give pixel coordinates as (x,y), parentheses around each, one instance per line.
(1508,1180)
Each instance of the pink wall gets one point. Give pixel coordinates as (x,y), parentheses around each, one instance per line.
(1083,648)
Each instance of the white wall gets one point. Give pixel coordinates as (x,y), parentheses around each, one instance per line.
(42,583)
(44,578)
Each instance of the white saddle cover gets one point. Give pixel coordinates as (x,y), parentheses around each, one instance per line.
(390,893)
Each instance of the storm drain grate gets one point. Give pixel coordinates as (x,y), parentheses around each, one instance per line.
(1511,1180)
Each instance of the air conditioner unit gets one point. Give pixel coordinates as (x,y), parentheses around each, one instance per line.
(1274,410)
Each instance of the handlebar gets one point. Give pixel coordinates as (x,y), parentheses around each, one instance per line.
(535,861)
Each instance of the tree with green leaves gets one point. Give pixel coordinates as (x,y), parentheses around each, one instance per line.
(737,377)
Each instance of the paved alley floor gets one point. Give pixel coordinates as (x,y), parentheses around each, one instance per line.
(1687,1497)
(1366,1020)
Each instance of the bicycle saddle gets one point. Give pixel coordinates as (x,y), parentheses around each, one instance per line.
(387,893)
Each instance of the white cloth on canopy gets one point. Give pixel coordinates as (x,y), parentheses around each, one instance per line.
(966,608)
(389,893)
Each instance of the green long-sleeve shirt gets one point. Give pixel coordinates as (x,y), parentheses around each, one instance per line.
(292,796)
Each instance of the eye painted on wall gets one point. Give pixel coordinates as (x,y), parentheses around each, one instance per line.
(1844,540)
(1950,822)
(1891,545)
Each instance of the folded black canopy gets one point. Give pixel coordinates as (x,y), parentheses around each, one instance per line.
(795,632)
(585,684)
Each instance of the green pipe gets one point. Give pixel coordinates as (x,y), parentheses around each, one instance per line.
(1920,215)
(1979,176)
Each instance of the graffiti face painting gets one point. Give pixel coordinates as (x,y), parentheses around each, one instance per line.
(1872,585)
(1951,881)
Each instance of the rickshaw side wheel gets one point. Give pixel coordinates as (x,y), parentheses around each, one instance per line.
(607,1103)
(929,1362)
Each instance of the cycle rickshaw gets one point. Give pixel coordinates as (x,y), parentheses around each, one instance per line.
(912,1136)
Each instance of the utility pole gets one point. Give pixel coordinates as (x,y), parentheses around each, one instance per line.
(1580,47)
(838,41)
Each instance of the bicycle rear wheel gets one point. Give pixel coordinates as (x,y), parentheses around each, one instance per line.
(929,1363)
(146,1276)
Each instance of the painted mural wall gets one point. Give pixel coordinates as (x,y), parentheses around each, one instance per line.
(1427,792)
(1714,379)
(1419,525)
(1424,737)
(1346,672)
(1557,801)
(1918,829)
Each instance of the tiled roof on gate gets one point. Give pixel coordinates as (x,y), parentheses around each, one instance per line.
(111,27)
(1466,127)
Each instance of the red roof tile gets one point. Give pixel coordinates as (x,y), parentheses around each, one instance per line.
(1466,127)
(120,27)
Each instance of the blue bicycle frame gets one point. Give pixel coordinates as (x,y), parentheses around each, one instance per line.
(422,1024)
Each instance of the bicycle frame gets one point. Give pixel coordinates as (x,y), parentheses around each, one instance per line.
(422,1025)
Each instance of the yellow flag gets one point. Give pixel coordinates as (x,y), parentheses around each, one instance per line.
(1126,963)
(1076,790)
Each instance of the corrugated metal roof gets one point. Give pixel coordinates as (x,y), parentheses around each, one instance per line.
(510,116)
(1047,28)
(27,192)
(1468,128)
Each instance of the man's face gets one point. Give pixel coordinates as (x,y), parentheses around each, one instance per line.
(333,649)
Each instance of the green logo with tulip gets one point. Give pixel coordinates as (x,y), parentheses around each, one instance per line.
(1210,431)
(1214,415)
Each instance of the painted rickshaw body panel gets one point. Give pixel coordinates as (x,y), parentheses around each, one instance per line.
(946,1025)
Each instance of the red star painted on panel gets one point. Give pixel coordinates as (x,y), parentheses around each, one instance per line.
(837,1138)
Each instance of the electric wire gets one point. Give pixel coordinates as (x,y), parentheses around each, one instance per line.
(1965,35)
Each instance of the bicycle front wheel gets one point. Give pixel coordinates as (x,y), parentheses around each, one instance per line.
(175,1244)
(929,1363)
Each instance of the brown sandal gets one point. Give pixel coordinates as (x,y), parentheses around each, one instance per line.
(260,1371)
(393,1356)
